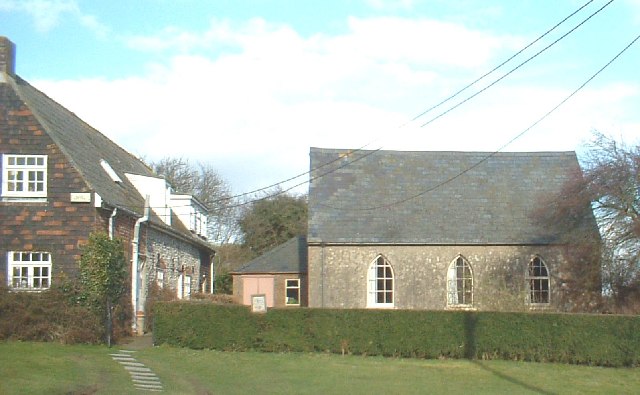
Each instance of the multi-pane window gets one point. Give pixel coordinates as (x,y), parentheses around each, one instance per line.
(198,222)
(24,176)
(292,290)
(459,283)
(380,283)
(29,270)
(538,280)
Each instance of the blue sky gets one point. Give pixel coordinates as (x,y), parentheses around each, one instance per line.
(249,86)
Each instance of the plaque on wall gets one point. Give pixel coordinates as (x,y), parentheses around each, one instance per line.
(80,197)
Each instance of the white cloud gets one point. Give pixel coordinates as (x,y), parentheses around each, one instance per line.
(634,6)
(48,14)
(254,111)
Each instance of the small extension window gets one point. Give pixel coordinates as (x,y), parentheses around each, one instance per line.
(292,290)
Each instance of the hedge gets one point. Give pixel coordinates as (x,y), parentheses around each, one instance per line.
(604,340)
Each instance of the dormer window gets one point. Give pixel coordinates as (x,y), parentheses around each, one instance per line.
(107,168)
(191,213)
(24,176)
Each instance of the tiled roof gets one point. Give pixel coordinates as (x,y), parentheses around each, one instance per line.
(432,197)
(290,257)
(84,147)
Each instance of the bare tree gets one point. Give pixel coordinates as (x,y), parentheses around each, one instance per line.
(612,182)
(179,173)
(609,188)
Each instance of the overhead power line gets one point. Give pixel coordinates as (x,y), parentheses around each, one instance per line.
(517,67)
(281,192)
(501,64)
(274,185)
(492,154)
(279,183)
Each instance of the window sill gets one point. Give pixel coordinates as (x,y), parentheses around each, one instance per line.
(22,200)
(28,290)
(381,306)
(539,306)
(465,307)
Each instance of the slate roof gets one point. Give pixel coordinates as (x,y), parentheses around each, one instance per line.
(85,146)
(290,257)
(370,200)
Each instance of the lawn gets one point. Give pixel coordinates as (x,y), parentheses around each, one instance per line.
(40,368)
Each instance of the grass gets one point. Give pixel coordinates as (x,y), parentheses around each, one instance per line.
(39,368)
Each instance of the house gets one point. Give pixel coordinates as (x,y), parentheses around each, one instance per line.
(280,275)
(436,230)
(62,179)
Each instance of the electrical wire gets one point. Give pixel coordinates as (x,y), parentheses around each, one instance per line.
(501,64)
(492,154)
(283,191)
(517,67)
(274,185)
(288,179)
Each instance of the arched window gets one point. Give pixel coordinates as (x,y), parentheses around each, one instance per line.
(459,283)
(538,280)
(380,283)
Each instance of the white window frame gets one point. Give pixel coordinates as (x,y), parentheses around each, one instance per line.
(29,270)
(24,176)
(160,278)
(535,282)
(453,281)
(187,287)
(292,284)
(380,283)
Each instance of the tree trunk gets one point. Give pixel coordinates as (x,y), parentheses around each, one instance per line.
(109,324)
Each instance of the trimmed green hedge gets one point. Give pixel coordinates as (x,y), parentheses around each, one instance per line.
(604,340)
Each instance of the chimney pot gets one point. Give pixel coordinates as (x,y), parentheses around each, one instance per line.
(7,57)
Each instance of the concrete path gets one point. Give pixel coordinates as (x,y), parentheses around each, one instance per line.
(141,376)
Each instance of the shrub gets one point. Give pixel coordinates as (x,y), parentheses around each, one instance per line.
(201,325)
(156,294)
(51,315)
(605,340)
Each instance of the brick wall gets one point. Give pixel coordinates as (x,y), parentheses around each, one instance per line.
(55,224)
(7,56)
(338,275)
(279,287)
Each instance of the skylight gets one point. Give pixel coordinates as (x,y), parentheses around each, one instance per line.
(107,167)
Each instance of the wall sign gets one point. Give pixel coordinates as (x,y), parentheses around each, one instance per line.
(259,303)
(80,197)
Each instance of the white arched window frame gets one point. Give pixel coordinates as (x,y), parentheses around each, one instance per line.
(460,283)
(380,284)
(538,282)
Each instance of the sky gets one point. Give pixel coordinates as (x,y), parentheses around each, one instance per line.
(249,86)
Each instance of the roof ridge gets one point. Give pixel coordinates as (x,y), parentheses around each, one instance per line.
(493,153)
(16,80)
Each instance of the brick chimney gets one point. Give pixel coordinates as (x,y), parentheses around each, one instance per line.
(7,58)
